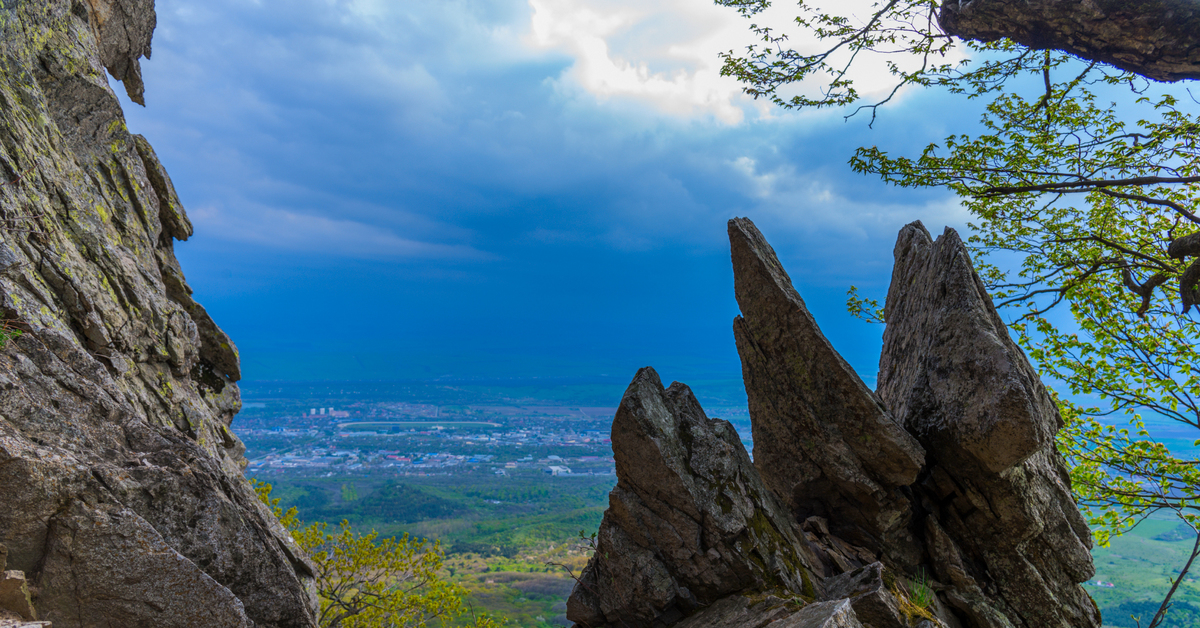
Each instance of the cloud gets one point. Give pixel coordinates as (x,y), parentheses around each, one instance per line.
(817,201)
(516,171)
(666,54)
(663,54)
(274,228)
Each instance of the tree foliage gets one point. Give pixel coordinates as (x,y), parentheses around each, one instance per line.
(367,582)
(1081,182)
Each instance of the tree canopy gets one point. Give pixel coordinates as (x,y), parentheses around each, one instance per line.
(1081,181)
(364,581)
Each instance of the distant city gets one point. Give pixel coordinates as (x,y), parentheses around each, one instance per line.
(367,434)
(380,430)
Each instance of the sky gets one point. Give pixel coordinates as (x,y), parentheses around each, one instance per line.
(507,188)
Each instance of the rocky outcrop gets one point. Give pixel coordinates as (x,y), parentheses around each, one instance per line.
(1000,513)
(772,612)
(822,439)
(689,521)
(1159,39)
(938,501)
(123,498)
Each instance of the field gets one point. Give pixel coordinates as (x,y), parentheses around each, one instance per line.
(500,534)
(1140,566)
(479,486)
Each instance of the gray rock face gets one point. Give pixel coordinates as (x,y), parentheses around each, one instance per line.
(115,403)
(949,369)
(124,29)
(1001,517)
(737,611)
(108,562)
(939,502)
(822,439)
(873,604)
(689,520)
(1156,38)
(834,614)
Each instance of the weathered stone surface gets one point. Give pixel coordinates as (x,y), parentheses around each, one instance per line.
(737,611)
(822,439)
(14,594)
(689,520)
(834,614)
(124,29)
(873,604)
(1001,523)
(1159,39)
(118,396)
(107,562)
(946,483)
(949,369)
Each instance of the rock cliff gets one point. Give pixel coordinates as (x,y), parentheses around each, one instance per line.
(123,502)
(937,500)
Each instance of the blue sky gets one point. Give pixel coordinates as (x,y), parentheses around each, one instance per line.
(506,188)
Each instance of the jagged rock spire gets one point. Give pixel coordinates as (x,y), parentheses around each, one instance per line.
(823,441)
(689,521)
(1001,525)
(947,482)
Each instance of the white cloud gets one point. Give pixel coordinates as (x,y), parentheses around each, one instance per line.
(284,229)
(666,53)
(663,53)
(810,202)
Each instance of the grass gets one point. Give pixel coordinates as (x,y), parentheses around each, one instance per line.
(915,597)
(1140,565)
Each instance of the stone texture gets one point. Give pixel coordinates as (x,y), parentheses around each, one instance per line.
(949,368)
(1001,525)
(948,477)
(689,520)
(124,28)
(14,594)
(107,562)
(115,403)
(834,614)
(1159,39)
(873,604)
(738,611)
(823,441)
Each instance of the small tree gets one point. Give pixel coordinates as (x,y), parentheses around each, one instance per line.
(367,582)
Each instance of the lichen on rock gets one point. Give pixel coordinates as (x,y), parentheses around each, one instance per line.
(116,400)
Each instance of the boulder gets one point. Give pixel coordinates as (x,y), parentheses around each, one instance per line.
(873,604)
(14,594)
(689,521)
(107,566)
(1156,39)
(833,614)
(738,611)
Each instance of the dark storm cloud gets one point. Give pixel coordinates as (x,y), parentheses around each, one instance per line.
(421,180)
